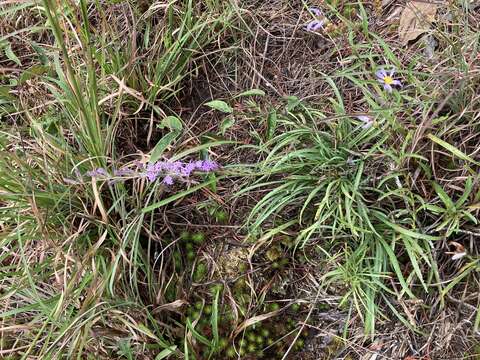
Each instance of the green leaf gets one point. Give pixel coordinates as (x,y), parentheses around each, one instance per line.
(5,93)
(213,185)
(402,230)
(466,193)
(142,328)
(396,267)
(11,55)
(166,352)
(214,317)
(226,124)
(171,122)
(162,145)
(412,254)
(42,56)
(271,124)
(292,103)
(33,71)
(197,335)
(252,92)
(464,271)
(443,196)
(220,106)
(452,149)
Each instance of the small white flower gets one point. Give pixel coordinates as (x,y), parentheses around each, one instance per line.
(458,255)
(367,121)
(459,250)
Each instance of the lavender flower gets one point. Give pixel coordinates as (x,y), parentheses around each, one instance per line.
(367,121)
(314,25)
(315,11)
(207,166)
(177,169)
(188,169)
(151,172)
(97,172)
(168,180)
(386,78)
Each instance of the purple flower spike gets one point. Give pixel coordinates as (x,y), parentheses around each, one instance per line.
(315,11)
(167,180)
(177,169)
(386,79)
(314,25)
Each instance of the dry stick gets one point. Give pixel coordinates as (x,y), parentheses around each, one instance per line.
(264,55)
(4,70)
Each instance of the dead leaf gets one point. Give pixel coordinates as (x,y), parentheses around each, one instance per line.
(415,20)
(459,250)
(458,247)
(395,14)
(173,306)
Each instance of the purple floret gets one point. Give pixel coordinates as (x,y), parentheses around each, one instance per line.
(314,25)
(168,180)
(315,11)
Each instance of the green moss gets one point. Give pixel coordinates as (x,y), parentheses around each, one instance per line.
(223,343)
(198,238)
(273,307)
(215,288)
(295,307)
(230,353)
(200,271)
(185,235)
(191,255)
(251,348)
(221,216)
(250,336)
